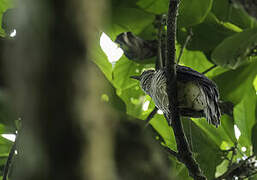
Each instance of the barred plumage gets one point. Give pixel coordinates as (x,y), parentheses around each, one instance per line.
(195,92)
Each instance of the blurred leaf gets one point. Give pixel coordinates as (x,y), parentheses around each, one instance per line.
(234,83)
(101,60)
(8,21)
(235,49)
(227,12)
(222,168)
(192,12)
(5,146)
(4,5)
(254,139)
(244,115)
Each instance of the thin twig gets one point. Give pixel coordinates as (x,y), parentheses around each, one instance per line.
(184,153)
(207,70)
(189,36)
(159,61)
(171,152)
(229,172)
(150,116)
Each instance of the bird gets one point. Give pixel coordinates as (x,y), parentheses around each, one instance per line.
(197,95)
(136,48)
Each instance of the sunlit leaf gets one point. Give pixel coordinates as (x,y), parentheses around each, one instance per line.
(244,115)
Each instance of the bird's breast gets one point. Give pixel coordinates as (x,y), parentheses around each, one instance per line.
(191,96)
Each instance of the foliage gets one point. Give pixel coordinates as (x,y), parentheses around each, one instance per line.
(222,34)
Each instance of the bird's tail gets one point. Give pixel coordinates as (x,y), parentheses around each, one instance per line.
(212,109)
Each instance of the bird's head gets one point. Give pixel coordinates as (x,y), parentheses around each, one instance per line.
(145,80)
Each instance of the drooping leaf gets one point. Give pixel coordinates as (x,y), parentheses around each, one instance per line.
(235,49)
(228,12)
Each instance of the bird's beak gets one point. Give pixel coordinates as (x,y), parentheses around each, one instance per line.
(135,77)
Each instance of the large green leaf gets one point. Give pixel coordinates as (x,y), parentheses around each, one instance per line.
(192,12)
(208,34)
(128,19)
(207,152)
(234,83)
(154,6)
(194,59)
(235,49)
(222,134)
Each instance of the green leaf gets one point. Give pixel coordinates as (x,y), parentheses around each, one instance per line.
(235,49)
(194,59)
(244,115)
(224,133)
(208,34)
(206,151)
(128,19)
(254,139)
(192,12)
(160,124)
(234,83)
(227,12)
(154,6)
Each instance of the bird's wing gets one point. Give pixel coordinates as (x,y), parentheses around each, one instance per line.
(159,92)
(209,88)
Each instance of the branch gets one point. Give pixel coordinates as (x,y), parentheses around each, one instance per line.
(184,153)
(9,160)
(211,68)
(150,116)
